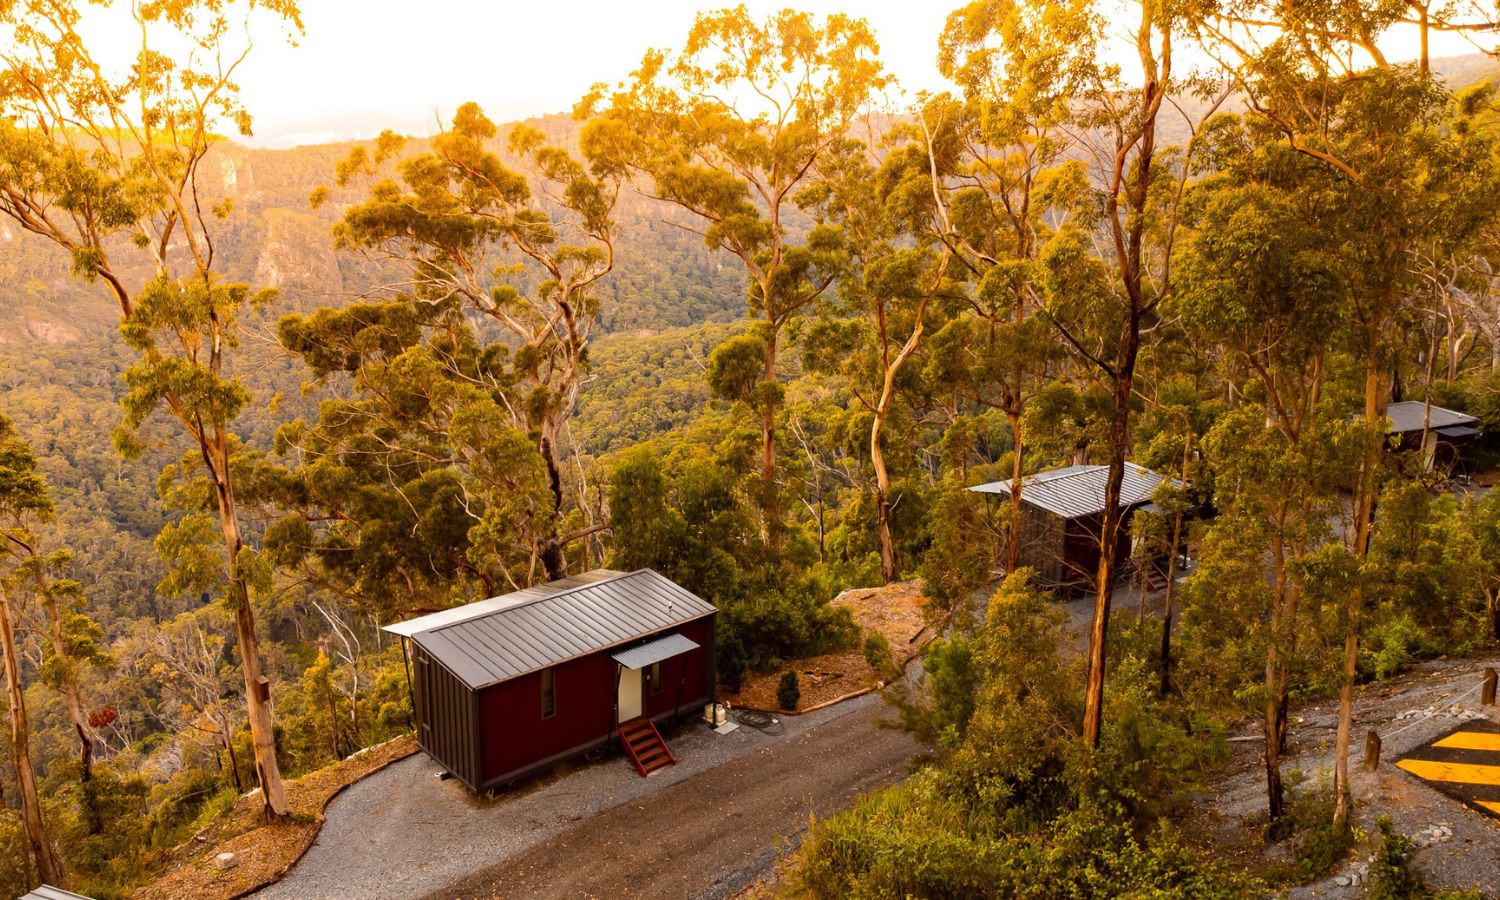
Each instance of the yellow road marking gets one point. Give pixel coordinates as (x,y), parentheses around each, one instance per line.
(1465,773)
(1470,740)
(1489,805)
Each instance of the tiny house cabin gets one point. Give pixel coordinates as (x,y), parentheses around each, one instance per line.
(1062,517)
(507,686)
(1450,433)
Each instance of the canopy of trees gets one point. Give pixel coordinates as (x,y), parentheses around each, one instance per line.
(754,319)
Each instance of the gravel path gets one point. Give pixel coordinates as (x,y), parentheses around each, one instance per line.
(404,833)
(713,834)
(1458,847)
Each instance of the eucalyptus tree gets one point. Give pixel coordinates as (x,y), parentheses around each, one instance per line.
(1318,76)
(523,252)
(896,291)
(729,128)
(1103,305)
(412,488)
(72,642)
(108,168)
(1260,284)
(23,496)
(1004,180)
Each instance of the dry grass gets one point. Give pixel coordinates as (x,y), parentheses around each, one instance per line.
(265,852)
(895,610)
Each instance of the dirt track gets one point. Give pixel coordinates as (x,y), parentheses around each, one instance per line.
(711,834)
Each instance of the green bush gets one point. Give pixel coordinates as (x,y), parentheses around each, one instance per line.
(1317,844)
(919,839)
(1016,807)
(788,692)
(1392,646)
(1391,877)
(878,654)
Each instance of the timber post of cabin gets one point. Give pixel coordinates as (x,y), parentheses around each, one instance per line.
(505,687)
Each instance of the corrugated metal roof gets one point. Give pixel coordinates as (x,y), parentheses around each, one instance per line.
(665,647)
(1407,416)
(507,639)
(1075,491)
(1458,431)
(48,892)
(484,607)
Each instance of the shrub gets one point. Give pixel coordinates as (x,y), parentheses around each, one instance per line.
(1316,843)
(1393,645)
(1391,877)
(788,692)
(878,654)
(938,709)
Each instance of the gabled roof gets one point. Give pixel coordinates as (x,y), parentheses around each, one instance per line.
(48,892)
(1406,416)
(495,640)
(1076,491)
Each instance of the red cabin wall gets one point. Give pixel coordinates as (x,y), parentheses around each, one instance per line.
(690,671)
(514,736)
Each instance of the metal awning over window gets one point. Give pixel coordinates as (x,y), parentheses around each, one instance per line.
(1457,431)
(643,655)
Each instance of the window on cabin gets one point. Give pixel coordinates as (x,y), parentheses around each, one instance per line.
(656,678)
(549,695)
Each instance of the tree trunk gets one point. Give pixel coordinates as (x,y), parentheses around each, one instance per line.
(1166,626)
(48,866)
(554,554)
(234,761)
(1119,435)
(1017,458)
(1364,516)
(262,726)
(770,496)
(882,500)
(74,702)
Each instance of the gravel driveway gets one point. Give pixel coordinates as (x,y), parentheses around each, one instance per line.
(404,833)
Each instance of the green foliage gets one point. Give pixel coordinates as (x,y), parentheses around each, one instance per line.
(1015,808)
(1317,844)
(788,691)
(1390,876)
(877,652)
(684,528)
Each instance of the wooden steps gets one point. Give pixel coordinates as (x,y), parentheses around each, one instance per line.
(643,744)
(1154,580)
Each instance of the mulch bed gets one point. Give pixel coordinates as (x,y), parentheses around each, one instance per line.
(896,610)
(266,852)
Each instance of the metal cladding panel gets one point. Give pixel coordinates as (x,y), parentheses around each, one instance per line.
(48,892)
(1076,491)
(1407,416)
(1458,431)
(445,716)
(510,639)
(654,651)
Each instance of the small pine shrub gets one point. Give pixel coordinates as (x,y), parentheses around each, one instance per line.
(1391,877)
(878,654)
(788,692)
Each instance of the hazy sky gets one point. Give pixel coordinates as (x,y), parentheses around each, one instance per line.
(367,65)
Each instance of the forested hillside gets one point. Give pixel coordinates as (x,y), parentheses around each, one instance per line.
(258,404)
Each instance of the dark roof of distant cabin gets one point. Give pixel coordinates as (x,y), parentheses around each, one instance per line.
(1076,491)
(502,638)
(1406,416)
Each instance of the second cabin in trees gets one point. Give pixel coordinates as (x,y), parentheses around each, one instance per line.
(1062,515)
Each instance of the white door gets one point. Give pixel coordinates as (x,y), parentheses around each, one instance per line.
(630,694)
